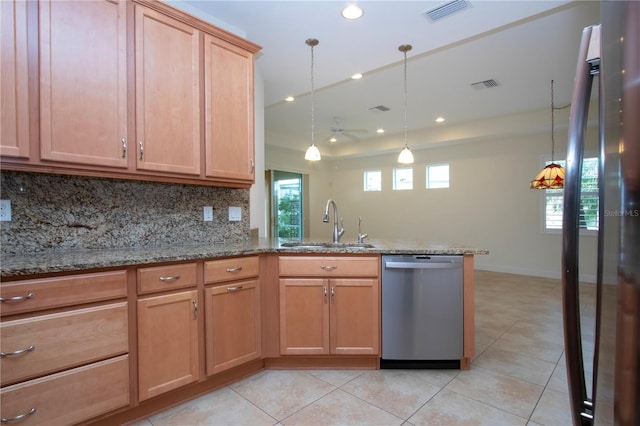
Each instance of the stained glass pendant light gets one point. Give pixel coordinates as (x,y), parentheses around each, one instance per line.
(313,153)
(405,157)
(552,176)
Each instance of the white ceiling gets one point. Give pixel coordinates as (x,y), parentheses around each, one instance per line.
(523,45)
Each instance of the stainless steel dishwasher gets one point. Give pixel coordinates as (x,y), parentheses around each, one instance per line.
(422,311)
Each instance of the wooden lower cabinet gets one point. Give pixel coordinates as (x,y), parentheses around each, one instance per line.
(233,330)
(69,397)
(167,342)
(329,316)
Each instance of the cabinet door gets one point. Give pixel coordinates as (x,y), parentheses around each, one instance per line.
(355,322)
(304,316)
(167,55)
(229,131)
(14,106)
(233,334)
(83,87)
(167,342)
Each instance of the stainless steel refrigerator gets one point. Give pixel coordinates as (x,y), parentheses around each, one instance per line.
(609,63)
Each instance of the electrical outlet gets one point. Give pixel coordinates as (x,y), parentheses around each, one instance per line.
(5,210)
(207,213)
(235,214)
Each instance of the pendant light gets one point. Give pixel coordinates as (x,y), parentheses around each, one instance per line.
(552,176)
(313,153)
(405,157)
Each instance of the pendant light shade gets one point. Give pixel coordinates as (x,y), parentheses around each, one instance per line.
(313,153)
(405,157)
(552,176)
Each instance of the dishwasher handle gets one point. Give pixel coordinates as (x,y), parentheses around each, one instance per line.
(421,265)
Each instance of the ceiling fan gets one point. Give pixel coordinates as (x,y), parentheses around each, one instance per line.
(338,132)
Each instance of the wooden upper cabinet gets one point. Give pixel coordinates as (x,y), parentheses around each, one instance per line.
(167,56)
(83,82)
(229,111)
(14,105)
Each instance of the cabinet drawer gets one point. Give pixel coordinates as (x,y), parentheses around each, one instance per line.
(71,396)
(161,278)
(325,266)
(33,295)
(62,340)
(216,271)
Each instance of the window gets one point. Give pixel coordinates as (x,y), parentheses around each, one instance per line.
(438,176)
(373,180)
(402,178)
(553,199)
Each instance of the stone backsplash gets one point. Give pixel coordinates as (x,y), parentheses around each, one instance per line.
(73,212)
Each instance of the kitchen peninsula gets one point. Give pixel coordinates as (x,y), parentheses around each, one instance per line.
(157,326)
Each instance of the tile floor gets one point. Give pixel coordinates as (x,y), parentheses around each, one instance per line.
(517,376)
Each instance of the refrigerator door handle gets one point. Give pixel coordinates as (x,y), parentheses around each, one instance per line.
(580,407)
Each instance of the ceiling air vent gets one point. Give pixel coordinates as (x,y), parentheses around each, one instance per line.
(486,84)
(446,9)
(379,108)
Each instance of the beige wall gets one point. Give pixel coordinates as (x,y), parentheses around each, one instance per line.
(488,205)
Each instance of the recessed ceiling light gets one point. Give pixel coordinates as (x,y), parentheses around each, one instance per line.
(333,139)
(440,120)
(357,76)
(380,130)
(352,12)
(289,98)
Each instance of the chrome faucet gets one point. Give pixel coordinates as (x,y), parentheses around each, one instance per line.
(337,233)
(361,236)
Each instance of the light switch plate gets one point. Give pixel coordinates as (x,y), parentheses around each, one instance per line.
(5,210)
(235,214)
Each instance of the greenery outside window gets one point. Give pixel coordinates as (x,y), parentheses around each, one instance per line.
(402,178)
(553,199)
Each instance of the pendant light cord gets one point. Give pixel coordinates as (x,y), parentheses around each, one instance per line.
(404,49)
(312,43)
(553,140)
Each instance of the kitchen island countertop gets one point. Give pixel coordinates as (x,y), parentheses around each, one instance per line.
(53,261)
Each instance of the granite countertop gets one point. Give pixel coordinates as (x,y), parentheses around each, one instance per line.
(52,261)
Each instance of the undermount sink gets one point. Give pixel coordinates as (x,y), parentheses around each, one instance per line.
(303,244)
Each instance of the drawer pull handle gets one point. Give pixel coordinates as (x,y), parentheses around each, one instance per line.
(235,269)
(235,288)
(18,417)
(18,352)
(17,298)
(328,267)
(171,278)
